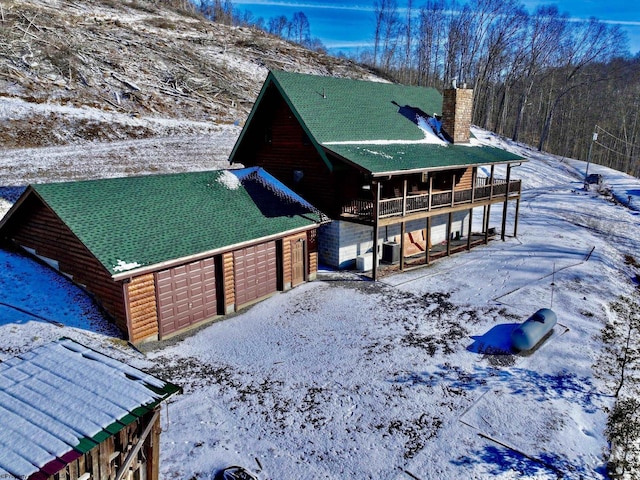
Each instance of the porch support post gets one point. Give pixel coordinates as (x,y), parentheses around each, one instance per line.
(484,219)
(404,198)
(515,222)
(474,179)
(402,229)
(449,233)
(453,189)
(469,231)
(506,202)
(376,219)
(430,192)
(486,230)
(491,179)
(428,240)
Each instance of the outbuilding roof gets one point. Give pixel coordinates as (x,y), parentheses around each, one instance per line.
(62,399)
(379,127)
(136,222)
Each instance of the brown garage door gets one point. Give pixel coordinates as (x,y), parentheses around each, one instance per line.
(186,295)
(255,272)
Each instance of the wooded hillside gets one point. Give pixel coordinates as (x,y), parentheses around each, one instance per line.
(138,58)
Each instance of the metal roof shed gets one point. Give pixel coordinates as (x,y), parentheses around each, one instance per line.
(69,412)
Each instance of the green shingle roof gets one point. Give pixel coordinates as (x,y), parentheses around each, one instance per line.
(341,109)
(394,158)
(135,222)
(371,121)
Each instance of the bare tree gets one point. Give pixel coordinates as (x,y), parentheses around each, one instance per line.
(430,51)
(300,28)
(278,25)
(546,29)
(386,33)
(589,42)
(407,64)
(505,34)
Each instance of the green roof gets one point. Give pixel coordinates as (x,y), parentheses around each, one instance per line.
(393,158)
(373,124)
(342,109)
(133,222)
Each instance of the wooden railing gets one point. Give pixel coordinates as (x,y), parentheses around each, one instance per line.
(425,202)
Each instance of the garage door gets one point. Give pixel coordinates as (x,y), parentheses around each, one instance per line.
(256,273)
(186,295)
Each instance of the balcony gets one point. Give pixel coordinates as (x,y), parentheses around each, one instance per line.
(484,192)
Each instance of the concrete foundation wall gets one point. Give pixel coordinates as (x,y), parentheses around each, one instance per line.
(340,242)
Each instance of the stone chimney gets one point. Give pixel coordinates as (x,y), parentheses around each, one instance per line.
(457,106)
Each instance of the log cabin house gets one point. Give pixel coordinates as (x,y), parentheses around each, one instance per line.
(388,162)
(164,253)
(71,413)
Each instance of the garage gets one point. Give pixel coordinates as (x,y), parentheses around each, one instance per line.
(255,272)
(164,253)
(186,295)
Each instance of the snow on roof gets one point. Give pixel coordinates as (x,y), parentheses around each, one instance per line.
(229,180)
(122,266)
(430,127)
(53,397)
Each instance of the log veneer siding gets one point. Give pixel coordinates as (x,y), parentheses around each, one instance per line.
(279,145)
(143,311)
(228,282)
(45,233)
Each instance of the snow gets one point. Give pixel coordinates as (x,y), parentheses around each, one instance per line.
(229,180)
(431,128)
(39,424)
(426,126)
(122,266)
(409,376)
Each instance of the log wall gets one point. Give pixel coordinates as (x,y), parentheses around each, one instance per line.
(279,144)
(143,311)
(312,249)
(41,230)
(228,282)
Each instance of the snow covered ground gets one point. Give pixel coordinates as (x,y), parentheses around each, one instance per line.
(410,377)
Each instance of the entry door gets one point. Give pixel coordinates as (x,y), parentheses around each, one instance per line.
(186,295)
(255,272)
(297,262)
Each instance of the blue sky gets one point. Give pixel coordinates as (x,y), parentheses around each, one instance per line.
(348,26)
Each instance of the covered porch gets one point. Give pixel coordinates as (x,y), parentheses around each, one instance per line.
(414,199)
(452,208)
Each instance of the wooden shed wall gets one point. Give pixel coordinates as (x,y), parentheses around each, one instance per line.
(143,311)
(41,230)
(102,462)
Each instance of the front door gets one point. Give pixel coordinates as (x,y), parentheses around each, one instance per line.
(297,262)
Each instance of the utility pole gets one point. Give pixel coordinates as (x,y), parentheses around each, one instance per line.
(586,173)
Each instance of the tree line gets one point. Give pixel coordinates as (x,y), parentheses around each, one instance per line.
(540,78)
(296,28)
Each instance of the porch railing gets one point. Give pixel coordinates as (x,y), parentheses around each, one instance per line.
(425,202)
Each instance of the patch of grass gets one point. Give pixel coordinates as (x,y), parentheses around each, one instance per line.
(630,260)
(160,22)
